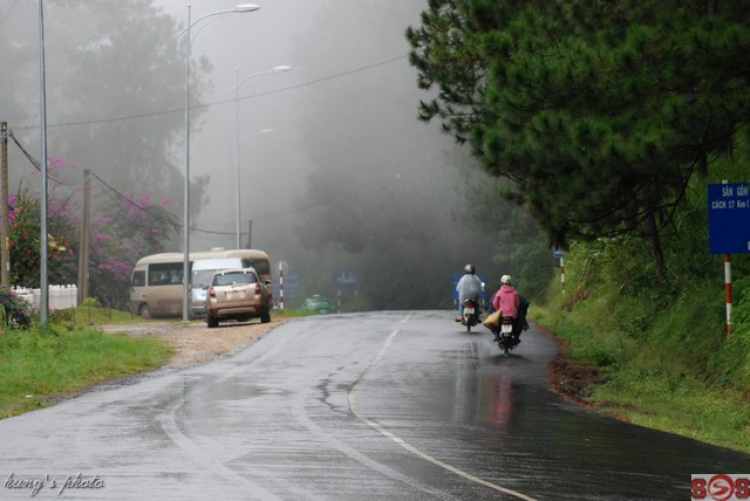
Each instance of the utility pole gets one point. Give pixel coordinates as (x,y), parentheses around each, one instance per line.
(83,254)
(4,228)
(250,234)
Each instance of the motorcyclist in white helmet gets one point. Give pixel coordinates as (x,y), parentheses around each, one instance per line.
(469,287)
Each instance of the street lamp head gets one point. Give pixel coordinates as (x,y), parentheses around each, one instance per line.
(275,69)
(239,9)
(246,7)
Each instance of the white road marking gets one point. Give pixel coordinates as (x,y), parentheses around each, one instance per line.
(355,410)
(203,458)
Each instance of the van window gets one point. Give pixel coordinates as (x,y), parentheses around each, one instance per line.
(165,273)
(202,278)
(139,278)
(260,265)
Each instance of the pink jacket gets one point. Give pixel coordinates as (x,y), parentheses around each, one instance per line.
(506,300)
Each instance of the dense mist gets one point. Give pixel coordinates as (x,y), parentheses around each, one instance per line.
(336,172)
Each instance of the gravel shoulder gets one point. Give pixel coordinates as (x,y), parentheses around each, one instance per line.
(195,343)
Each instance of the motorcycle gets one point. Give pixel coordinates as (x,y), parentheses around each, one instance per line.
(470,316)
(505,338)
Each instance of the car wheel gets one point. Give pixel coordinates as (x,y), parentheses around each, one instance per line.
(212,322)
(265,318)
(145,312)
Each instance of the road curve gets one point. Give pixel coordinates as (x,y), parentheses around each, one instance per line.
(387,405)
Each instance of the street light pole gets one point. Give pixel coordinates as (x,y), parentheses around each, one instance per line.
(237,100)
(43,285)
(236,88)
(186,194)
(242,8)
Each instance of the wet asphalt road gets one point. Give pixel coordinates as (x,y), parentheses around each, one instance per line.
(382,406)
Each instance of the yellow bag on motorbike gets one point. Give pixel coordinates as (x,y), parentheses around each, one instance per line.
(493,320)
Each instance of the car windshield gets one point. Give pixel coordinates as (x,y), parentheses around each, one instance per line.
(234,278)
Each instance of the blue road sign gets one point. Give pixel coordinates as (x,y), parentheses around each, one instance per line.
(345,280)
(292,283)
(729,218)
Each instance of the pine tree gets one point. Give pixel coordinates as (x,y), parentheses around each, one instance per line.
(600,112)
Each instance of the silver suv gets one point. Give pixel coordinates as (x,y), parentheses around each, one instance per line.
(237,294)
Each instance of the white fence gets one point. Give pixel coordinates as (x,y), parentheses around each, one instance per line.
(60,296)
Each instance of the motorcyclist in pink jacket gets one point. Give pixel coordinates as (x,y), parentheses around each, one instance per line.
(507,299)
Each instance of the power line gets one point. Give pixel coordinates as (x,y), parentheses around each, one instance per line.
(172,218)
(113,190)
(225,101)
(168,216)
(37,165)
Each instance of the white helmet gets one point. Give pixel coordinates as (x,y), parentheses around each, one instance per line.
(505,280)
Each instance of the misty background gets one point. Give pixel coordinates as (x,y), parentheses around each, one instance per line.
(348,179)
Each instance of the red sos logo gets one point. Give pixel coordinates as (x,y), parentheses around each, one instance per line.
(720,487)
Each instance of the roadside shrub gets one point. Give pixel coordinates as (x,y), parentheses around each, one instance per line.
(741,329)
(16,313)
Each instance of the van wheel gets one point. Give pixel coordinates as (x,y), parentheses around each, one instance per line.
(265,318)
(212,322)
(145,312)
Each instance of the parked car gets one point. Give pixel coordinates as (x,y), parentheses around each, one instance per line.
(201,274)
(318,304)
(237,294)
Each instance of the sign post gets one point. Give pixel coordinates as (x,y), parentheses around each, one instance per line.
(345,280)
(729,229)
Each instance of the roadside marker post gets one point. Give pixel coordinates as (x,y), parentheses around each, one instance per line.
(557,253)
(728,287)
(282,267)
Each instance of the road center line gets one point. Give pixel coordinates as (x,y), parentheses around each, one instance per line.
(355,410)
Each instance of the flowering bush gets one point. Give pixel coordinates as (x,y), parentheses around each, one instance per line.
(16,312)
(24,243)
(122,232)
(125,232)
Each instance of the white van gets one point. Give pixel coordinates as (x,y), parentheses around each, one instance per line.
(202,272)
(156,286)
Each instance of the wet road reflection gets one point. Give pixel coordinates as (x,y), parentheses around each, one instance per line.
(381,406)
(503,424)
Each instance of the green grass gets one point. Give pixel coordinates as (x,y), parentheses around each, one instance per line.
(42,363)
(666,368)
(39,366)
(90,313)
(686,406)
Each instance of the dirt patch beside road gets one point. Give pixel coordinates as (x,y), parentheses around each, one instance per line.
(195,343)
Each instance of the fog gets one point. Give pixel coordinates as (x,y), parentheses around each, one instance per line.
(341,123)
